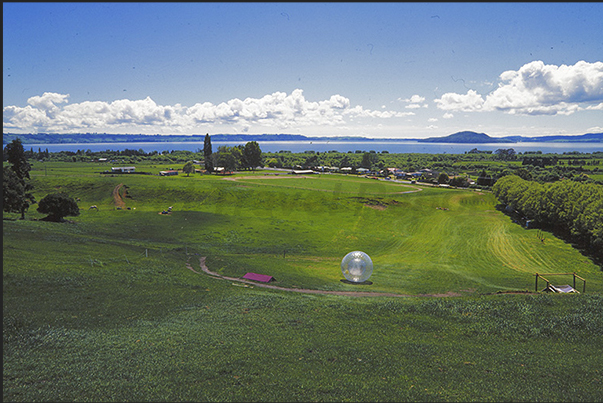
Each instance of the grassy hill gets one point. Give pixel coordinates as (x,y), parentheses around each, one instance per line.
(105,308)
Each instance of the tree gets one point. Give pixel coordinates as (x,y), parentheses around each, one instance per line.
(188,168)
(485,180)
(57,206)
(523,174)
(229,158)
(207,153)
(459,181)
(505,154)
(17,195)
(368,160)
(15,154)
(443,178)
(252,155)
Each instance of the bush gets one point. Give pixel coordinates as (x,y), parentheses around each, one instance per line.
(57,206)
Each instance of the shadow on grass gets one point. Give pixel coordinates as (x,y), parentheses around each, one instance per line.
(353,283)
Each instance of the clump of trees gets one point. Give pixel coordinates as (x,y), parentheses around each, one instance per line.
(238,157)
(573,207)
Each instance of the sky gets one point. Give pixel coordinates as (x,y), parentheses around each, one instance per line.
(378,70)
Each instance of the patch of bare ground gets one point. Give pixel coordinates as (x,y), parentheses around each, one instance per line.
(117,198)
(526,292)
(205,269)
(376,206)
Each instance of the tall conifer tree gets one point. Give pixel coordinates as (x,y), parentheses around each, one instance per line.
(207,153)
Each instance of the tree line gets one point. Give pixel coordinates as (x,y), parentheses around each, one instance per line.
(575,208)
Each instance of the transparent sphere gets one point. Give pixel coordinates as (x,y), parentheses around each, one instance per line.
(357,266)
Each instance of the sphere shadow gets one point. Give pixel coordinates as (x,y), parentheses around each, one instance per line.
(355,283)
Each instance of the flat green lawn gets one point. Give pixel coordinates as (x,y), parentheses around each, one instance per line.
(104,308)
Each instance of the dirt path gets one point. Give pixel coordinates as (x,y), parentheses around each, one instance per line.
(206,270)
(117,199)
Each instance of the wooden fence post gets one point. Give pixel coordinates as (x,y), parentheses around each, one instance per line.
(574,275)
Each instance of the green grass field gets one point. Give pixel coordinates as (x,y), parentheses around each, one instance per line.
(104,308)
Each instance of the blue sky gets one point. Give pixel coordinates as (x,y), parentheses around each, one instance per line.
(393,70)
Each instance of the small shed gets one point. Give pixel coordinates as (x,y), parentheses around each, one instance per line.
(168,173)
(264,278)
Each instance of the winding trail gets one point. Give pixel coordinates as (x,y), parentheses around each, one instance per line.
(206,270)
(117,199)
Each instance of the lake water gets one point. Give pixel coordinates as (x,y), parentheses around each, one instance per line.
(322,146)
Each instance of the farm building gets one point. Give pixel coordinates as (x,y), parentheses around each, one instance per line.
(264,278)
(168,173)
(123,170)
(302,171)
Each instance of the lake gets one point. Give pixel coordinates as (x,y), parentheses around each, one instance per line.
(394,147)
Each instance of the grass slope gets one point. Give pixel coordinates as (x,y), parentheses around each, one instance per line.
(105,309)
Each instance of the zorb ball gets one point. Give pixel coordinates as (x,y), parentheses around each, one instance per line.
(357,266)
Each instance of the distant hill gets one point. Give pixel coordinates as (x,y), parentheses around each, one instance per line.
(480,138)
(466,137)
(584,138)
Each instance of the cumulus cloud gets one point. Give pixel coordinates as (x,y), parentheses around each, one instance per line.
(536,89)
(414,102)
(278,110)
(448,115)
(469,102)
(416,99)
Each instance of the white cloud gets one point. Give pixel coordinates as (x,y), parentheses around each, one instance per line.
(414,102)
(536,89)
(448,115)
(416,99)
(47,101)
(277,110)
(432,120)
(469,102)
